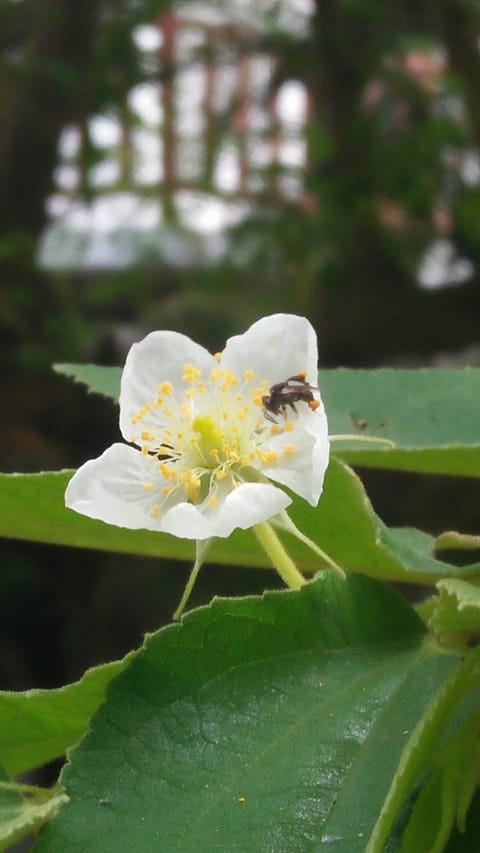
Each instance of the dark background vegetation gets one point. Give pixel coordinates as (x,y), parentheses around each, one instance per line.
(395,117)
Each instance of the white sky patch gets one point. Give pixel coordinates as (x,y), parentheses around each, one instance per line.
(58,205)
(257,118)
(190,159)
(124,210)
(441,267)
(292,104)
(259,152)
(105,174)
(144,99)
(69,142)
(260,68)
(227,169)
(67,177)
(291,186)
(470,168)
(147,159)
(190,94)
(148,38)
(110,213)
(293,153)
(207,214)
(105,131)
(223,93)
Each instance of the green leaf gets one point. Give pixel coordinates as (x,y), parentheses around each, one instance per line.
(430,415)
(344,525)
(451,540)
(458,607)
(271,723)
(99,380)
(37,726)
(448,793)
(23,810)
(422,752)
(468,841)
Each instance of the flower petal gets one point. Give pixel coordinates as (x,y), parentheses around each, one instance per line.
(110,488)
(303,454)
(160,357)
(248,504)
(275,348)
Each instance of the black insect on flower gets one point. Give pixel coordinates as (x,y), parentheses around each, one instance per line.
(293,390)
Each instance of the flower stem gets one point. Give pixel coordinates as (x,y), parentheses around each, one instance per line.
(284,565)
(200,549)
(284,522)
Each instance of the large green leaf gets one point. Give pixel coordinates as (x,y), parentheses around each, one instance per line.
(344,524)
(271,723)
(37,726)
(430,415)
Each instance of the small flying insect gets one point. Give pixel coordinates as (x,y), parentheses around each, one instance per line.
(293,390)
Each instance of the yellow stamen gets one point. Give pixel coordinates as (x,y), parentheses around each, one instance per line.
(242,413)
(168,471)
(191,483)
(191,373)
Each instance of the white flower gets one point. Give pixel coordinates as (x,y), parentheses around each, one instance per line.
(205,449)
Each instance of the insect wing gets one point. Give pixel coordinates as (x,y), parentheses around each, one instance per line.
(299,381)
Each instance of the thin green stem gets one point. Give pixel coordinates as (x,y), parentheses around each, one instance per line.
(370,439)
(188,589)
(284,564)
(201,550)
(284,522)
